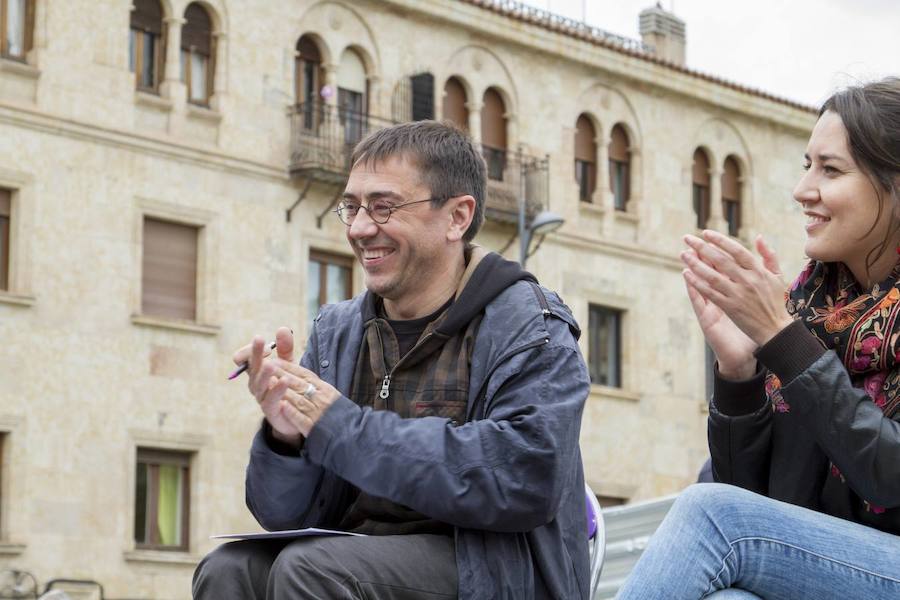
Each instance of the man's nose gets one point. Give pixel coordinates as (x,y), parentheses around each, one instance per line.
(362,226)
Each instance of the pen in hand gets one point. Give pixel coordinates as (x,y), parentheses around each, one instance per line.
(246,365)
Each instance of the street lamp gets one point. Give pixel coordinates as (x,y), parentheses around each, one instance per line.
(542,224)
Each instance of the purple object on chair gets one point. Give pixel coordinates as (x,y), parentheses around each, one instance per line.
(591,517)
(596,538)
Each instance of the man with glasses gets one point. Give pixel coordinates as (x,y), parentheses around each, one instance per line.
(438,413)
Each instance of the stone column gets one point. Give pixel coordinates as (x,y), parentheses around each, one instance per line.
(172,86)
(220,87)
(330,71)
(474,109)
(603,196)
(512,131)
(39,33)
(716,218)
(376,102)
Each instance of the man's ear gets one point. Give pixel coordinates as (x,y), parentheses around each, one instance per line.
(462,211)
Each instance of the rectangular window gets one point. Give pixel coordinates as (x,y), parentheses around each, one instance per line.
(162,499)
(143,58)
(148,61)
(618,173)
(329,280)
(169,275)
(195,74)
(701,204)
(312,108)
(732,210)
(496,162)
(199,67)
(5,217)
(605,345)
(133,49)
(13,23)
(352,115)
(422,96)
(585,175)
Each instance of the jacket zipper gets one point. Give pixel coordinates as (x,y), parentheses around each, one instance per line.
(385,392)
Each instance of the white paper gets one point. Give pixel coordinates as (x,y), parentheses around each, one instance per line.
(287,533)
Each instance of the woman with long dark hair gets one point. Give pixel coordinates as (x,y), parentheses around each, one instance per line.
(804,421)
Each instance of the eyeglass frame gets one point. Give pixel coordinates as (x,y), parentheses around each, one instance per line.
(391,209)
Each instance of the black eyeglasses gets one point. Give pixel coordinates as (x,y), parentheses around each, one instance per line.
(379,210)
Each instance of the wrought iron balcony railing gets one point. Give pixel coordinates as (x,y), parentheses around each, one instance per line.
(513,177)
(323,138)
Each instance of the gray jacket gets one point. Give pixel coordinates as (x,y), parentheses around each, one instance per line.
(509,480)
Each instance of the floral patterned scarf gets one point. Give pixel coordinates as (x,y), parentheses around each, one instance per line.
(862,328)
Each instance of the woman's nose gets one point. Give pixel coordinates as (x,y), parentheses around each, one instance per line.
(806,191)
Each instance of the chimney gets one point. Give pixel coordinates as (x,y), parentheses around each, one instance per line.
(664,32)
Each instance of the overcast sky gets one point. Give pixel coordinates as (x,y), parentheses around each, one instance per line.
(796,49)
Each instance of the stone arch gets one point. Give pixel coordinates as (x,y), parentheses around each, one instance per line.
(609,106)
(340,27)
(721,138)
(484,70)
(321,44)
(215,8)
(167,9)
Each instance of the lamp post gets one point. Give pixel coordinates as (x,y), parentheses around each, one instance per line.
(542,224)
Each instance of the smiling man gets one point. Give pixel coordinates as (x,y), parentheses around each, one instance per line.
(438,413)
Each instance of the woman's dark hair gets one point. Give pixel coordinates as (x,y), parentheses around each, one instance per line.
(871,116)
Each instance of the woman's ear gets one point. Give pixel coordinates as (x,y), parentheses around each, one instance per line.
(462,211)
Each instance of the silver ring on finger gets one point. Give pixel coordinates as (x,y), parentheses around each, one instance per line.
(309,391)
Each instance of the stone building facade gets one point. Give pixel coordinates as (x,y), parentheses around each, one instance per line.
(166,172)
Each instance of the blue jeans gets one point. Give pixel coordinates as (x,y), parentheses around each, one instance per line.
(720,537)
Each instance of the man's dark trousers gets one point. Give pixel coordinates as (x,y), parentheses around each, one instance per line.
(395,567)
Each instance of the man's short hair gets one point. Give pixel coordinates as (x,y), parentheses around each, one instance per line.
(448,163)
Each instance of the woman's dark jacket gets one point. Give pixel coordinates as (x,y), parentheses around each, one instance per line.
(832,450)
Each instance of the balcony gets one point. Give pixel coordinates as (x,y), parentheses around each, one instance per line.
(323,137)
(511,176)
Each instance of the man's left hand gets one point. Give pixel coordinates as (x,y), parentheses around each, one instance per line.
(301,405)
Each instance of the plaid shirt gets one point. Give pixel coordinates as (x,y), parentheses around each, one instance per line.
(431,380)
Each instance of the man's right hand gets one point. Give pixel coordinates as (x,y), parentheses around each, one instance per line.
(262,382)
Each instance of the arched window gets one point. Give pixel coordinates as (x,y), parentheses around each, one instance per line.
(352,102)
(585,158)
(16,28)
(455,101)
(731,195)
(700,187)
(619,167)
(145,51)
(197,54)
(308,80)
(493,133)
